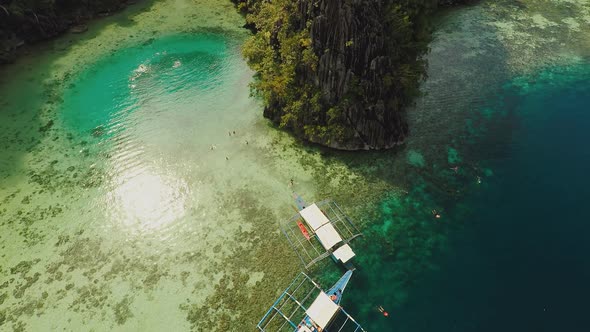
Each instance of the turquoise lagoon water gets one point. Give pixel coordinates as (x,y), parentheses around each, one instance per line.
(137,192)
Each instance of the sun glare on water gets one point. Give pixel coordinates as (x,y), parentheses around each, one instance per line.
(148,202)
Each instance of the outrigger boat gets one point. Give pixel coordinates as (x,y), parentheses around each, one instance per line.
(305,307)
(323,230)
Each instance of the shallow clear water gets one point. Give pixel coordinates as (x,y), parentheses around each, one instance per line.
(141,188)
(153,112)
(140,192)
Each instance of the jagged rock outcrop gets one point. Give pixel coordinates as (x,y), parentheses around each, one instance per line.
(340,72)
(349,38)
(359,67)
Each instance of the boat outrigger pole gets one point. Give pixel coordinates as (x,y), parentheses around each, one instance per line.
(305,307)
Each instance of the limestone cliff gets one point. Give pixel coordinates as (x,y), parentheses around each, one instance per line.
(360,66)
(354,72)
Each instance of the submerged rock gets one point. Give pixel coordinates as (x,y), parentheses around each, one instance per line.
(416,159)
(80,28)
(46,127)
(98,131)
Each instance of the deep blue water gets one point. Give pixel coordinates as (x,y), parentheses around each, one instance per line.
(518,250)
(522,261)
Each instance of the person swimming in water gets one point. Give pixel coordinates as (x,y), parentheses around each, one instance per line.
(436,214)
(381,310)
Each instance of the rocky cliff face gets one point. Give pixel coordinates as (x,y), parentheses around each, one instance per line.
(364,69)
(349,38)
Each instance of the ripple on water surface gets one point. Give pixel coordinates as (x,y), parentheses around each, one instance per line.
(145,81)
(145,107)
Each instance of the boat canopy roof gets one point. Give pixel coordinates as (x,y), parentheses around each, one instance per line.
(322,310)
(314,217)
(326,226)
(344,253)
(328,236)
(304,301)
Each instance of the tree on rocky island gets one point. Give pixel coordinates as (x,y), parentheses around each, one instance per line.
(339,72)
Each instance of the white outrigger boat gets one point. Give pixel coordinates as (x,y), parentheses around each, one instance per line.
(305,307)
(320,230)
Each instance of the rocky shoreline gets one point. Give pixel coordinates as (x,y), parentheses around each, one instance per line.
(23,23)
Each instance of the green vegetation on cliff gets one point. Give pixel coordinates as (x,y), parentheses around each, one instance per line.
(339,72)
(278,52)
(335,72)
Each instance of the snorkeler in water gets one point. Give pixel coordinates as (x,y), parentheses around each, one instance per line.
(436,214)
